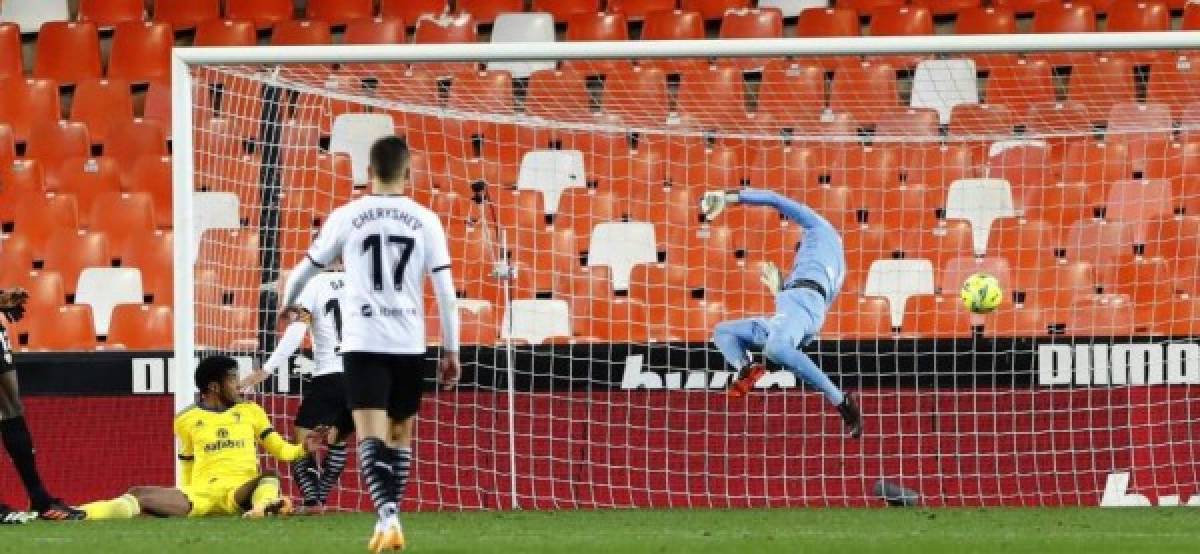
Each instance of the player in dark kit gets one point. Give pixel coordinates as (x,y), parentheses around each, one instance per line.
(13,430)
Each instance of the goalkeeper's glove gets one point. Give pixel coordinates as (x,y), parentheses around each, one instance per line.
(770,276)
(714,202)
(12,303)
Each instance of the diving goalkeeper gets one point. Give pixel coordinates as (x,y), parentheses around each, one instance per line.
(217,447)
(801,302)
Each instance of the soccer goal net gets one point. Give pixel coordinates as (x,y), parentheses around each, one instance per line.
(589,286)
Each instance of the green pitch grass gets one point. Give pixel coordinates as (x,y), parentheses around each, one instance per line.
(891,531)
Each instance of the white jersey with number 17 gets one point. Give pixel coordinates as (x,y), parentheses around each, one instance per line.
(388,244)
(322,298)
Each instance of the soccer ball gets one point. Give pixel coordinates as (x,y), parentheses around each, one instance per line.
(981,293)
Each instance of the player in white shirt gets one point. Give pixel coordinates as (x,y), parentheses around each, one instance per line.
(318,310)
(388,243)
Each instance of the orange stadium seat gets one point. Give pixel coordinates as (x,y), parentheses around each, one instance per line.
(714,9)
(152,175)
(461,28)
(68,251)
(186,14)
(131,140)
(8,146)
(582,209)
(864,91)
(1101,242)
(1016,321)
(1174,83)
(739,290)
(227,328)
(46,291)
(935,317)
(483,91)
(562,10)
(36,217)
(558,95)
(1020,85)
(614,320)
(99,103)
(867,170)
(1191,17)
(68,51)
(338,12)
(1096,165)
(1111,316)
(907,207)
(11,60)
(376,30)
(663,284)
(947,7)
(16,261)
(900,20)
(597,26)
(485,11)
(1063,203)
(750,23)
(141,327)
(672,212)
(935,165)
(1179,317)
(141,52)
(637,9)
(478,324)
(264,13)
(1056,285)
(225,32)
(153,254)
(136,211)
(828,22)
(22,178)
(86,179)
(853,317)
(1139,200)
(1023,165)
(1100,83)
(673,25)
(1144,280)
(636,96)
(1024,243)
(939,244)
(1058,118)
(157,106)
(712,98)
(1138,15)
(791,94)
(1174,238)
(52,143)
(864,245)
(992,20)
(919,123)
(109,13)
(25,103)
(1064,18)
(635,175)
(865,6)
(69,328)
(301,33)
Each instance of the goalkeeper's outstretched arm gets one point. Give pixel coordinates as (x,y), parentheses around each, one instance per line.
(791,209)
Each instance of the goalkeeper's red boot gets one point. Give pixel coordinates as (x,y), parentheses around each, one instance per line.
(745,380)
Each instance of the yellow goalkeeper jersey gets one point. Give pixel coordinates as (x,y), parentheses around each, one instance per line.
(223,445)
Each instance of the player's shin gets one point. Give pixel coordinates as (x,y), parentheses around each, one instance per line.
(401,465)
(266,491)
(304,473)
(331,470)
(375,465)
(121,507)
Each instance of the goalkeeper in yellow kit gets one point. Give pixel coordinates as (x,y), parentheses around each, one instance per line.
(217,447)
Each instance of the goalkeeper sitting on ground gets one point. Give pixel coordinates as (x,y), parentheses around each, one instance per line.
(220,474)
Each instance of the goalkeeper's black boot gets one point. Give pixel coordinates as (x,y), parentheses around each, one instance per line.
(9,516)
(851,416)
(57,510)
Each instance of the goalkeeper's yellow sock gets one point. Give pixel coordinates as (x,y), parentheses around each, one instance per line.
(121,507)
(266,491)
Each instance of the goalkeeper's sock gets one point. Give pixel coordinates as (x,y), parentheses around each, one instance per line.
(121,507)
(331,470)
(401,464)
(374,458)
(266,491)
(19,443)
(304,473)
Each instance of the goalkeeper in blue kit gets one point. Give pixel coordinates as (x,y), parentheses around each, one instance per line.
(801,302)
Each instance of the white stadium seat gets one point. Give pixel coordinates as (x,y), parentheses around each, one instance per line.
(792,8)
(620,246)
(998,147)
(354,134)
(551,172)
(981,202)
(897,280)
(31,14)
(943,84)
(536,320)
(104,287)
(522,27)
(213,210)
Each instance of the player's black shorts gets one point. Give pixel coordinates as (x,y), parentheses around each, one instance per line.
(389,382)
(324,403)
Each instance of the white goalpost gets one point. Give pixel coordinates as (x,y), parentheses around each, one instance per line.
(568,177)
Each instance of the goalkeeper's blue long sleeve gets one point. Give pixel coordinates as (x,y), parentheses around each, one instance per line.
(820,256)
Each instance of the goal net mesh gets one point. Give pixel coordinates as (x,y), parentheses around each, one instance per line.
(590,379)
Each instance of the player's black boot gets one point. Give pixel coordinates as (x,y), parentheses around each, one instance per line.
(851,416)
(57,510)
